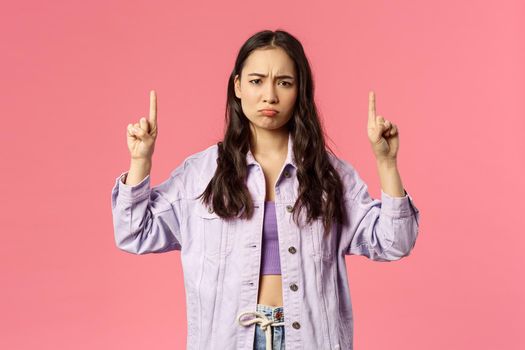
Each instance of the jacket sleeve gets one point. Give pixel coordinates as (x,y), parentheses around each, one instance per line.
(145,219)
(381,230)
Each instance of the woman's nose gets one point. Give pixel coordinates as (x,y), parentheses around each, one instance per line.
(270,95)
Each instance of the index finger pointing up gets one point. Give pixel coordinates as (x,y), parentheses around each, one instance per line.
(371,108)
(153,107)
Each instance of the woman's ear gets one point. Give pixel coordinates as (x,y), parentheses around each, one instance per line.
(237,85)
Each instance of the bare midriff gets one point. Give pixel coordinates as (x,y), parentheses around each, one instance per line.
(270,290)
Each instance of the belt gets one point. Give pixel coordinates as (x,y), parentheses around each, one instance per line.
(265,323)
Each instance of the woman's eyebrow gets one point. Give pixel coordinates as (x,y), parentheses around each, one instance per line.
(278,76)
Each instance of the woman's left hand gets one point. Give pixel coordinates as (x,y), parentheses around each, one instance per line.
(383,134)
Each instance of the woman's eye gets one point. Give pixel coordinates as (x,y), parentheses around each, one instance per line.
(286,83)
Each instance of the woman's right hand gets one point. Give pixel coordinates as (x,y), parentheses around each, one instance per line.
(142,135)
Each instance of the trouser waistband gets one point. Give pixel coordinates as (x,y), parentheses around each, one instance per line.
(267,317)
(275,313)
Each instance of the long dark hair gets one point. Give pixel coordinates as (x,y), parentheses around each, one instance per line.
(320,187)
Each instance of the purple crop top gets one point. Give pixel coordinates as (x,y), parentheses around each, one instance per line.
(270,261)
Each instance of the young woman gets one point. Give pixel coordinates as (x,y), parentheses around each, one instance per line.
(265,217)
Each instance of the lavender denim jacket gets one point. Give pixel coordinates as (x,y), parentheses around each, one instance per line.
(221,259)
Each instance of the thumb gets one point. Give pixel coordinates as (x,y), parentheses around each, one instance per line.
(382,125)
(144,124)
(376,133)
(140,133)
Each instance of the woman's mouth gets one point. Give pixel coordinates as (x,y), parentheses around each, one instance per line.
(269,112)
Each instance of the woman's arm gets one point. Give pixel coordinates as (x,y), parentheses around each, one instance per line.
(390,179)
(148,219)
(383,229)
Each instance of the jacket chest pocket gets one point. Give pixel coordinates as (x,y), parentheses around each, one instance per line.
(322,244)
(214,232)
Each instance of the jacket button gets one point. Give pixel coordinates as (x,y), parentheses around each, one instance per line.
(292,250)
(296,325)
(286,173)
(210,210)
(289,208)
(294,287)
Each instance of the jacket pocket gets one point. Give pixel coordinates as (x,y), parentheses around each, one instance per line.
(322,244)
(212,226)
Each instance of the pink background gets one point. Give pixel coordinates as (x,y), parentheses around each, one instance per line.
(73,74)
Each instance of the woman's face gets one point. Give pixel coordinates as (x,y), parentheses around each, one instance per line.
(268,80)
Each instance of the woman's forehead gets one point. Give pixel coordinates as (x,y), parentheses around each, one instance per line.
(274,61)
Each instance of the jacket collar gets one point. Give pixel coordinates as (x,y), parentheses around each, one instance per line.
(290,158)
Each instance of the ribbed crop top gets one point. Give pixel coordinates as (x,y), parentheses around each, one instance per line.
(270,261)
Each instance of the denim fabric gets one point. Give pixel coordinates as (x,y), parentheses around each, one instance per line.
(273,314)
(221,259)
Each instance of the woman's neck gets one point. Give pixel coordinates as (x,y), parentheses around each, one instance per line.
(266,143)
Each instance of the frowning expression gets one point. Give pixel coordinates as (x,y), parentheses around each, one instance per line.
(268,82)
